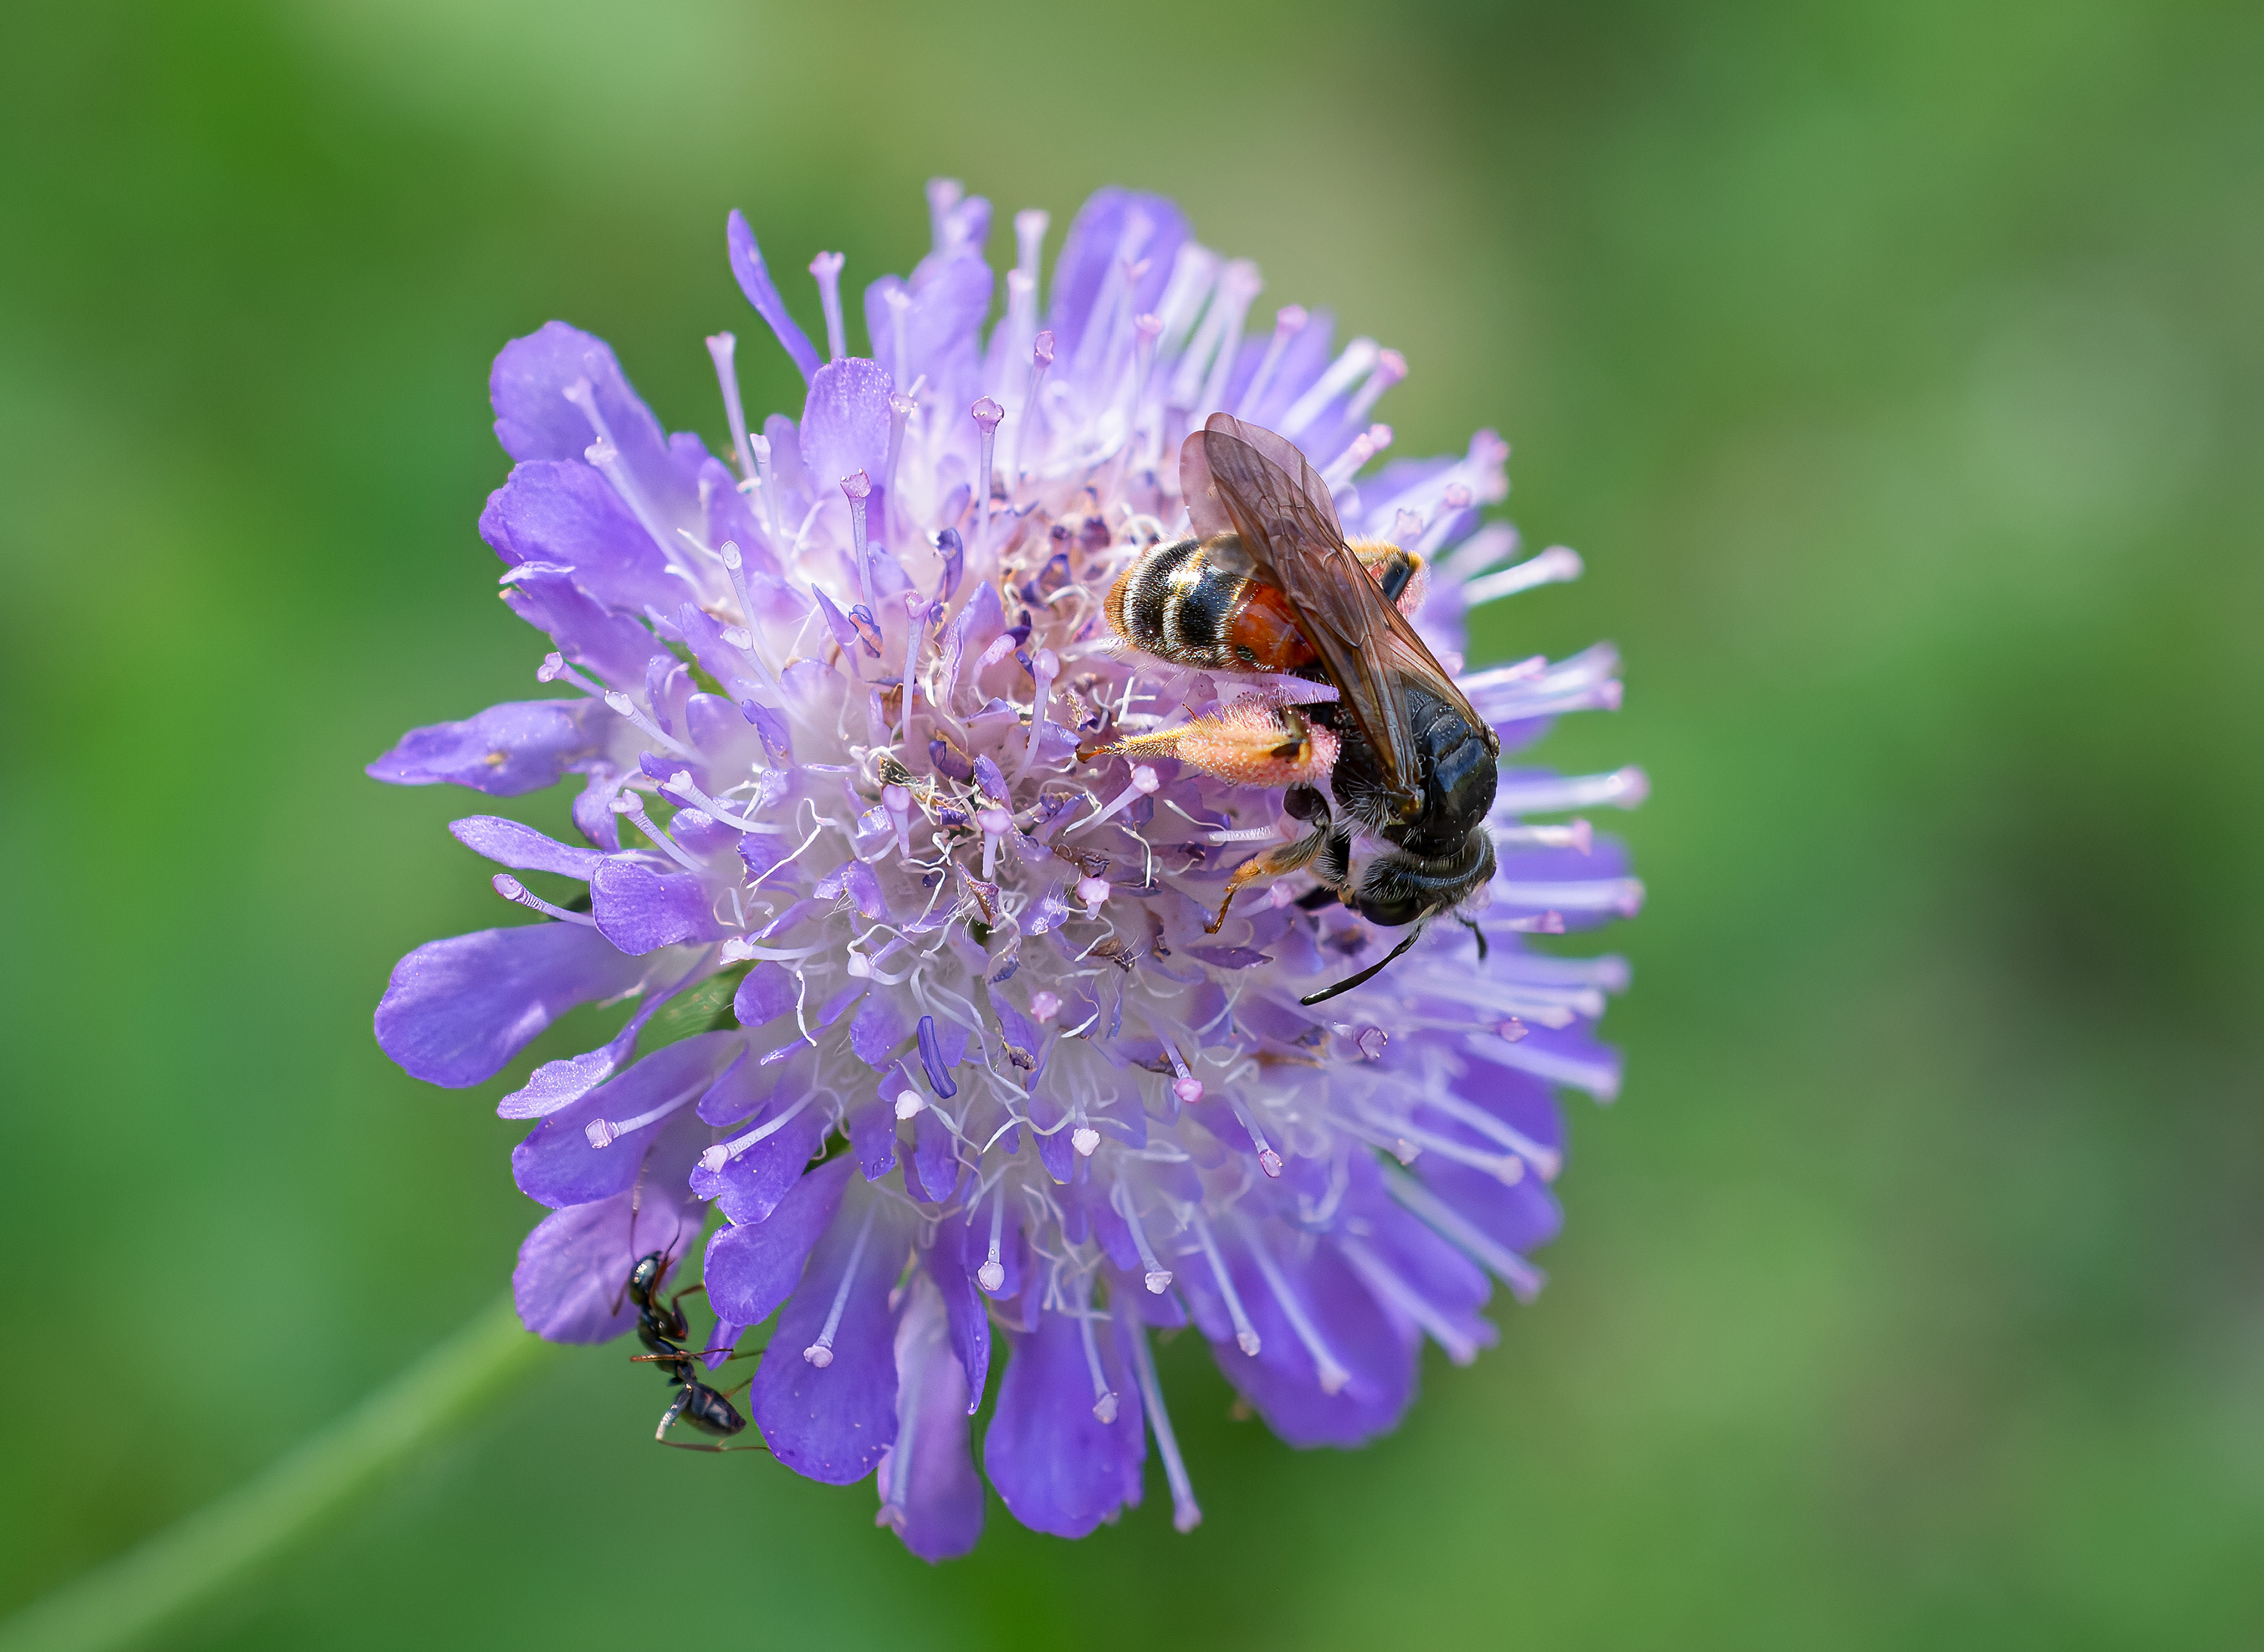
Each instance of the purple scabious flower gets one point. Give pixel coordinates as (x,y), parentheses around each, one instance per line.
(923,998)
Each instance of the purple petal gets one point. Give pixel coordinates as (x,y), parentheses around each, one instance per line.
(762,292)
(519,746)
(593,636)
(457,1010)
(951,1262)
(1058,1467)
(930,1495)
(534,418)
(832,1421)
(754,1266)
(1096,240)
(564,512)
(845,429)
(559,1163)
(1231,957)
(509,843)
(568,1284)
(879,1029)
(641,910)
(768,992)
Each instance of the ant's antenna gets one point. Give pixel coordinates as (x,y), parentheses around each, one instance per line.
(1373,970)
(636,1203)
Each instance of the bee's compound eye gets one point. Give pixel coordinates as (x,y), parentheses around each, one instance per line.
(1386,913)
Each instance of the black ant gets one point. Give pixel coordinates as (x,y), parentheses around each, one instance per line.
(664,1330)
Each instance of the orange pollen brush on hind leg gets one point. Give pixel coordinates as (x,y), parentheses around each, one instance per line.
(1249,744)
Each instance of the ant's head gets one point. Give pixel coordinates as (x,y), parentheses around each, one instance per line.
(644,1276)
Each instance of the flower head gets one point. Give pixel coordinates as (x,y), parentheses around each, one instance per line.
(925,1003)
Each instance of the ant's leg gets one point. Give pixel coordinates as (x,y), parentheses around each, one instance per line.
(688,1445)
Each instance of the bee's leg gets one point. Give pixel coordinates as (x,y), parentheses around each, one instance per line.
(1249,744)
(1305,803)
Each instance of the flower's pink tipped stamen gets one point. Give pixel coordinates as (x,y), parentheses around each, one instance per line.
(1083,1141)
(1389,1285)
(826,266)
(1000,647)
(1237,287)
(1370,1043)
(1622,896)
(1406,527)
(1158,1277)
(1104,1397)
(1288,322)
(900,309)
(1505,1168)
(901,408)
(603,1133)
(741,637)
(721,347)
(1030,226)
(943,194)
(909,1104)
(1194,274)
(1510,1030)
(623,706)
(511,889)
(820,1353)
(1092,893)
(1332,1371)
(1557,564)
(996,824)
(1228,300)
(1545,1161)
(992,1274)
(856,488)
(1186,1514)
(1580,835)
(1522,1278)
(682,785)
(553,669)
(605,454)
(1186,1086)
(630,806)
(1390,369)
(1622,788)
(1146,329)
(898,799)
(1031,421)
(1245,1336)
(780,545)
(1044,1006)
(1143,783)
(1356,358)
(1268,1160)
(986,414)
(1452,503)
(1045,666)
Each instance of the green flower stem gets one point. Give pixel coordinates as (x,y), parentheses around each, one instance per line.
(200,1560)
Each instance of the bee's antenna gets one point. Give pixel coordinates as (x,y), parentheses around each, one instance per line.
(1373,969)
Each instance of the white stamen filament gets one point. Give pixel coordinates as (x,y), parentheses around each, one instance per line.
(1555,565)
(826,266)
(1288,322)
(1357,357)
(1245,1336)
(631,806)
(1187,1515)
(603,1133)
(511,889)
(1332,1375)
(723,1152)
(721,347)
(1158,1277)
(992,1274)
(1143,783)
(623,706)
(1104,1397)
(1522,1278)
(1385,1283)
(820,1353)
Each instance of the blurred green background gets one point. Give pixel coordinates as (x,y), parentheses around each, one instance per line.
(1898,366)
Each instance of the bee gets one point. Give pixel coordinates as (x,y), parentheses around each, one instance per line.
(1269,584)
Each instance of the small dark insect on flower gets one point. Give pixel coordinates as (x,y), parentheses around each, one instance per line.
(1021,856)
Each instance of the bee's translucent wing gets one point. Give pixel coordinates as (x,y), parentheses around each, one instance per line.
(1262,487)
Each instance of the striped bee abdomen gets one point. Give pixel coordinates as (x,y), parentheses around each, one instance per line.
(1194,603)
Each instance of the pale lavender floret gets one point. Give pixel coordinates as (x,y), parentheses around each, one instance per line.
(979,963)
